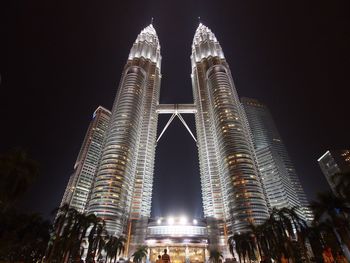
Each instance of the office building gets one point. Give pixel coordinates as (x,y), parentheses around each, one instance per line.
(231,189)
(281,183)
(123,184)
(334,162)
(80,182)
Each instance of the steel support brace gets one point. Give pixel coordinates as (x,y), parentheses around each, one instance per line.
(183,122)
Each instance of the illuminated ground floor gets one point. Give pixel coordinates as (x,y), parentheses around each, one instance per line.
(187,241)
(179,253)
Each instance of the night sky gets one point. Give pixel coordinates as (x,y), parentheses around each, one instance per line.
(59,60)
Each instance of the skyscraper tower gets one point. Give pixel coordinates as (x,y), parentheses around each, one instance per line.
(280,180)
(123,185)
(231,189)
(232,192)
(80,182)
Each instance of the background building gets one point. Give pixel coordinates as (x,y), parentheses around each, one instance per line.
(333,162)
(80,182)
(281,183)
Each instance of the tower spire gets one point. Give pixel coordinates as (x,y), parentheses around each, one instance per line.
(205,44)
(147,45)
(152,20)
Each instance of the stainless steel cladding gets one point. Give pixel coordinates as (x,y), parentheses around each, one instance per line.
(123,185)
(231,186)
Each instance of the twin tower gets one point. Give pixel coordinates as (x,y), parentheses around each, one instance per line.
(232,191)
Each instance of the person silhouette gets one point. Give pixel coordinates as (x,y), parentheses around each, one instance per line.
(159,260)
(165,257)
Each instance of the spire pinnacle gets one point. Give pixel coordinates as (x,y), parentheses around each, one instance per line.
(147,45)
(205,44)
(152,20)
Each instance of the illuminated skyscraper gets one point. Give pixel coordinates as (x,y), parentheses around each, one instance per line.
(123,185)
(281,183)
(231,189)
(232,192)
(80,182)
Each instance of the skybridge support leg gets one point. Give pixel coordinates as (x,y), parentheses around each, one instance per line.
(166,126)
(188,128)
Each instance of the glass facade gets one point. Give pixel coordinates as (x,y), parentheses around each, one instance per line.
(231,189)
(281,183)
(80,182)
(184,241)
(333,162)
(123,185)
(177,230)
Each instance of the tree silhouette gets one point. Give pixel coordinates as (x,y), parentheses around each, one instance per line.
(140,253)
(17,172)
(215,256)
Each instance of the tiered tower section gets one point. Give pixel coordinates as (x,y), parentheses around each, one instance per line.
(123,184)
(231,188)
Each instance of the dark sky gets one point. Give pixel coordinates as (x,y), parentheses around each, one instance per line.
(59,60)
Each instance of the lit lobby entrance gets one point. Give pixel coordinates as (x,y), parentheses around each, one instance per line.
(180,253)
(185,240)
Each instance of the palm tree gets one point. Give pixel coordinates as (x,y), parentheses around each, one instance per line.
(299,224)
(70,236)
(96,238)
(84,222)
(321,235)
(114,247)
(101,244)
(258,236)
(62,213)
(342,185)
(109,248)
(231,245)
(121,244)
(80,226)
(17,172)
(244,244)
(288,231)
(330,206)
(140,253)
(215,256)
(301,228)
(334,210)
(277,231)
(70,233)
(276,236)
(297,232)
